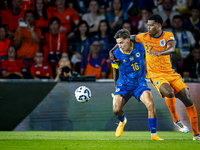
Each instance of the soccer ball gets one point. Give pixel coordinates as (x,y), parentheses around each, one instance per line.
(82,94)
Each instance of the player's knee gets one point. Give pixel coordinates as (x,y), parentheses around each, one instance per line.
(169,93)
(116,110)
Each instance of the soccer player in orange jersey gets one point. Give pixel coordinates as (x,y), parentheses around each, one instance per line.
(159,46)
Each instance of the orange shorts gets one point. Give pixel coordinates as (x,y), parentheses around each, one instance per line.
(174,80)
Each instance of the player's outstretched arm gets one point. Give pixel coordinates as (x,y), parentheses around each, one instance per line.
(169,50)
(111,54)
(115,75)
(132,38)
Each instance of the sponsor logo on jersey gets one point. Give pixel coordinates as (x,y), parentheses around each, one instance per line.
(162,42)
(157,83)
(137,54)
(117,90)
(131,58)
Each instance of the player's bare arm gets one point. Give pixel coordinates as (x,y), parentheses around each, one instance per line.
(111,55)
(169,50)
(115,75)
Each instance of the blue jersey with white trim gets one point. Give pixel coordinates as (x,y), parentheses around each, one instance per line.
(131,66)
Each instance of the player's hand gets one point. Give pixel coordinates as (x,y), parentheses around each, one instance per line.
(154,53)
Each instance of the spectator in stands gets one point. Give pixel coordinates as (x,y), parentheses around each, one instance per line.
(115,16)
(41,69)
(93,17)
(12,17)
(107,42)
(4,43)
(83,40)
(191,65)
(94,64)
(80,6)
(27,5)
(55,43)
(41,16)
(66,16)
(127,25)
(167,13)
(64,69)
(13,68)
(184,41)
(27,39)
(184,38)
(192,23)
(183,6)
(142,24)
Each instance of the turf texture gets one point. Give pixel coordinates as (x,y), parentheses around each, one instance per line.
(90,140)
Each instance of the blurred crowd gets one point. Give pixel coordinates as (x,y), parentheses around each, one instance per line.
(50,38)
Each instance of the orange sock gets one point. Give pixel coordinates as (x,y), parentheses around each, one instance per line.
(171,103)
(192,114)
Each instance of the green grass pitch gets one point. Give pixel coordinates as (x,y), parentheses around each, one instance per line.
(99,140)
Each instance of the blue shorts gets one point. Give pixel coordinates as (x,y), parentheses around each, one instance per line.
(128,91)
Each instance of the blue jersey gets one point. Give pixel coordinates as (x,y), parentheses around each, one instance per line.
(131,66)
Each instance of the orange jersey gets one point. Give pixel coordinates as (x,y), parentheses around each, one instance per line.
(41,22)
(28,47)
(27,4)
(66,17)
(156,65)
(12,20)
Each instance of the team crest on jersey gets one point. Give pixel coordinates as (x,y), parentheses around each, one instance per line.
(117,90)
(131,58)
(162,42)
(67,17)
(137,54)
(124,60)
(157,83)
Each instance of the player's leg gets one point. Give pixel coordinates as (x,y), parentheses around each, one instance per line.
(184,96)
(147,99)
(118,103)
(168,92)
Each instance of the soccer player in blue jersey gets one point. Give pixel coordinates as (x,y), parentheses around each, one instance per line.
(129,77)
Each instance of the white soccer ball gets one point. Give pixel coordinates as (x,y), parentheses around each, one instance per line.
(82,94)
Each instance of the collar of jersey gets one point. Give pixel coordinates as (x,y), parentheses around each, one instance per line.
(130,51)
(158,36)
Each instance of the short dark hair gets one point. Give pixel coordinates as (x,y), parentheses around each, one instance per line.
(123,33)
(54,19)
(28,12)
(196,47)
(178,17)
(194,7)
(157,18)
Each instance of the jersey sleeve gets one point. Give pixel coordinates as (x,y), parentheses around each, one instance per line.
(4,17)
(138,38)
(3,66)
(32,70)
(74,15)
(169,37)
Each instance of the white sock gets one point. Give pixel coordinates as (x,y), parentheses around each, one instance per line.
(152,134)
